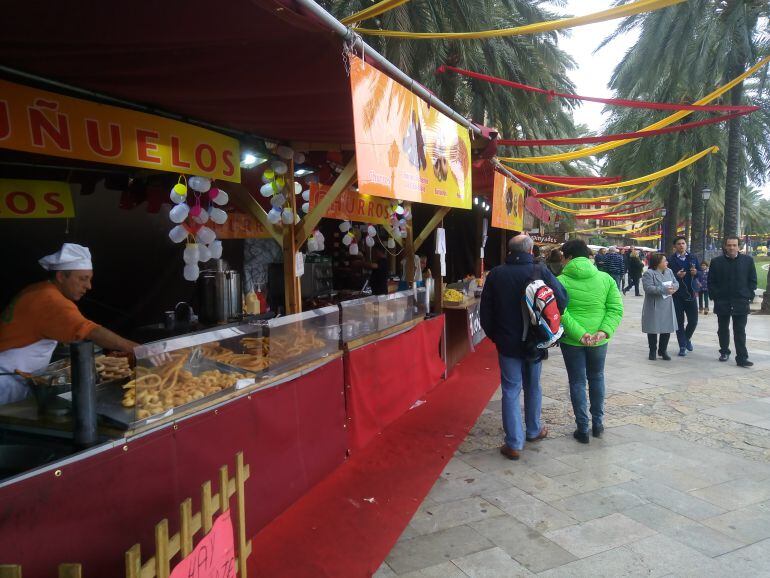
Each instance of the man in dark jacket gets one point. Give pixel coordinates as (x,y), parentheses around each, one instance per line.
(681,263)
(732,282)
(503,322)
(614,266)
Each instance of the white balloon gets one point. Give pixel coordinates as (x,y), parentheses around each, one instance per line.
(312,246)
(402,222)
(278,201)
(202,218)
(215,249)
(371,231)
(179,213)
(408,215)
(321,246)
(305,207)
(191,272)
(306,195)
(399,210)
(218,216)
(205,235)
(279,167)
(191,253)
(370,241)
(319,236)
(297,188)
(391,243)
(287,217)
(177,199)
(267,190)
(200,184)
(177,234)
(221,198)
(347,240)
(299,158)
(274,216)
(403,233)
(285,152)
(204,254)
(345,226)
(354,249)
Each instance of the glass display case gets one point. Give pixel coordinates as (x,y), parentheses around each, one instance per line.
(369,315)
(185,372)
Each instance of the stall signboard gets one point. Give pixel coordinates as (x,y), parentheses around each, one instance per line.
(214,556)
(507,204)
(475,332)
(352,206)
(239,226)
(548,238)
(23,199)
(46,123)
(536,209)
(406,149)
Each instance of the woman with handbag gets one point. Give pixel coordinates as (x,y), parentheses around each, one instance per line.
(658,315)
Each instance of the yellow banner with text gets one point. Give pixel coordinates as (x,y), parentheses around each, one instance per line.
(23,199)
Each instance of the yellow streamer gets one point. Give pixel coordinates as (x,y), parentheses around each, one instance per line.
(582,200)
(625,227)
(657,175)
(372,11)
(610,14)
(647,238)
(597,211)
(669,120)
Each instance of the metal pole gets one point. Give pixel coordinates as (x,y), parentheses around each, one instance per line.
(84,392)
(364,50)
(703,258)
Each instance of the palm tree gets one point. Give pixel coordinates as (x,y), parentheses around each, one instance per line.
(682,52)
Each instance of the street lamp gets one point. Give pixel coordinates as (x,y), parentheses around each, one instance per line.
(706,194)
(663,230)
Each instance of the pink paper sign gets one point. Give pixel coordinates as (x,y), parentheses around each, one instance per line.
(214,556)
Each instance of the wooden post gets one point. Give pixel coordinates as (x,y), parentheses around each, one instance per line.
(162,566)
(293,294)
(311,220)
(207,507)
(70,571)
(224,498)
(185,528)
(240,496)
(10,571)
(134,562)
(409,245)
(246,202)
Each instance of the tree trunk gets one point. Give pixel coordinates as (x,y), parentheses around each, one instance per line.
(698,225)
(672,214)
(734,154)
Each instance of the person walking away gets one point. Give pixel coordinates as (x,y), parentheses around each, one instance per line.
(685,304)
(702,281)
(613,265)
(626,254)
(599,259)
(555,262)
(658,314)
(635,268)
(502,318)
(593,313)
(732,281)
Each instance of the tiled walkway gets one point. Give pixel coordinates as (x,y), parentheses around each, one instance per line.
(678,486)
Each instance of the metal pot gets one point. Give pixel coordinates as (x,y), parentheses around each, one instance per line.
(220,296)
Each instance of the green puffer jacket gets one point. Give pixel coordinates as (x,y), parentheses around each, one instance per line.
(594,302)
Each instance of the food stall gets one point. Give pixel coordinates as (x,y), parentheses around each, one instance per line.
(283,390)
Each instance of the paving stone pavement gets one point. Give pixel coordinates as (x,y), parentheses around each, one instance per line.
(679,485)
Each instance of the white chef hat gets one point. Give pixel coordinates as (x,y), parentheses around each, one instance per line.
(70,257)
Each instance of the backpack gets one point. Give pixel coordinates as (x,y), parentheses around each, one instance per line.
(541,316)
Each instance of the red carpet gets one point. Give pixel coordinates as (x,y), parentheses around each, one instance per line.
(348,523)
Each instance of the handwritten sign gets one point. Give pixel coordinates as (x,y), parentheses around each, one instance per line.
(214,556)
(42,122)
(23,199)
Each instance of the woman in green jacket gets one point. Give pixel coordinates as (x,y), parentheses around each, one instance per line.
(592,316)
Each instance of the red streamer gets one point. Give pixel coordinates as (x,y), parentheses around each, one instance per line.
(612,101)
(565,180)
(612,216)
(621,136)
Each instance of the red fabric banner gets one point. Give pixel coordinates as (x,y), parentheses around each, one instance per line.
(385,378)
(612,101)
(622,136)
(565,180)
(292,435)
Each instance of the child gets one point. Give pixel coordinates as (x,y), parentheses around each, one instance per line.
(701,286)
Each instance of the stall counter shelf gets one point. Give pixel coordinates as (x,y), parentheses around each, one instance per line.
(463,329)
(369,319)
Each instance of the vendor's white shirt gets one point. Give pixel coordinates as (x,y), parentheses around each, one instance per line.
(417,269)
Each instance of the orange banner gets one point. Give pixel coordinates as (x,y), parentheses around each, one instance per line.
(406,149)
(46,123)
(22,199)
(352,206)
(239,226)
(507,204)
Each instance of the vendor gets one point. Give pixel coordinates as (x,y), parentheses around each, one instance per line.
(378,279)
(45,313)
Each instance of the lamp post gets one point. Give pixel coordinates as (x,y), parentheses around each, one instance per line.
(663,230)
(706,194)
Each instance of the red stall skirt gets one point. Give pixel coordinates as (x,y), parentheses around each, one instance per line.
(385,378)
(292,436)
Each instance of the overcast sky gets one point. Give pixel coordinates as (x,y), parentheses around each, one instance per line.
(593,70)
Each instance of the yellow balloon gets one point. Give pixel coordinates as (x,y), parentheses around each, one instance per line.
(180,189)
(269,174)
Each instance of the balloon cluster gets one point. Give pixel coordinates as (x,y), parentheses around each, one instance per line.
(316,242)
(398,217)
(274,187)
(349,238)
(191,222)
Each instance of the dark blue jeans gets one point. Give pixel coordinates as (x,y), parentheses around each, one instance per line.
(586,364)
(517,374)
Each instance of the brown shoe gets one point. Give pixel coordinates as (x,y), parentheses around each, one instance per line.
(509,453)
(542,435)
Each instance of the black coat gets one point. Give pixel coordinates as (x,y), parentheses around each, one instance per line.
(685,292)
(732,283)
(501,300)
(635,267)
